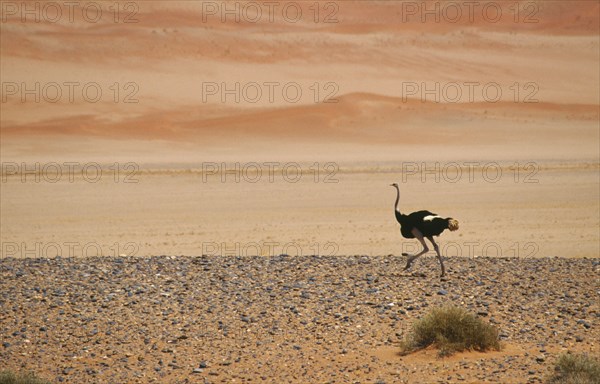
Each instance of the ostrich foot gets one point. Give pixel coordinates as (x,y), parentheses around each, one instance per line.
(409,261)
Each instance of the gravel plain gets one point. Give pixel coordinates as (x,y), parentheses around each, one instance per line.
(284,319)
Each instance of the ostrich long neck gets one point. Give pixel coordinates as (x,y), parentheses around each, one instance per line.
(397,200)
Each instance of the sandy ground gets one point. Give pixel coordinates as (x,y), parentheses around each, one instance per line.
(339,210)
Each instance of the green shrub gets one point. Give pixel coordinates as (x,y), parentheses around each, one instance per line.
(451,329)
(8,377)
(576,369)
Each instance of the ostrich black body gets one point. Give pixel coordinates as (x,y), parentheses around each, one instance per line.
(428,223)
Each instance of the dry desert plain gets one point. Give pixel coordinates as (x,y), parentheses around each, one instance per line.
(174,268)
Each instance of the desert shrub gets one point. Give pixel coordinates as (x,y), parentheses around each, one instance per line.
(8,377)
(576,369)
(451,329)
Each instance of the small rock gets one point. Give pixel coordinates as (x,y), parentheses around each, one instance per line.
(540,358)
(584,323)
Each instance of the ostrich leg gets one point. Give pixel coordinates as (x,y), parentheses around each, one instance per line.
(412,258)
(437,250)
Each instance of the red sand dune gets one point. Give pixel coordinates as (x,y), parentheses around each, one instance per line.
(369,52)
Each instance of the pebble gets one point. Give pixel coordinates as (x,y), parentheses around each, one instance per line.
(540,358)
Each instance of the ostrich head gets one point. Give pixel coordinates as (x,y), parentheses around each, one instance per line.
(394,185)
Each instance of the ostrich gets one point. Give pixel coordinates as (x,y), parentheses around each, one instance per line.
(420,225)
